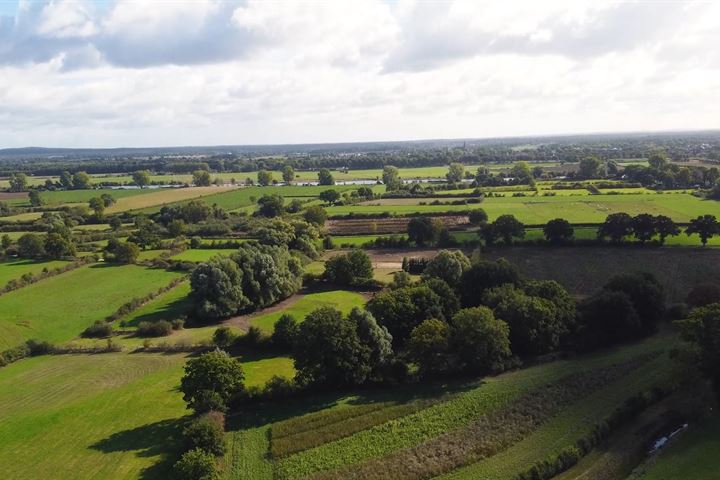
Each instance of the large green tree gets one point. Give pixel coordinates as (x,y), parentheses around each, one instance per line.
(616,226)
(402,309)
(480,340)
(702,331)
(455,172)
(352,268)
(255,276)
(447,265)
(391,177)
(325,177)
(211,380)
(329,352)
(705,226)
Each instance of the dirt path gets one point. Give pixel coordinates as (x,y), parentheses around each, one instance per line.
(243,321)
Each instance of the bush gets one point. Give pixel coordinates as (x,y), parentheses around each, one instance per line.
(39,347)
(206,433)
(285,332)
(350,269)
(279,387)
(160,328)
(99,329)
(223,337)
(703,294)
(196,465)
(211,380)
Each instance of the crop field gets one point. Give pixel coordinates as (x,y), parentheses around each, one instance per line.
(14,269)
(566,428)
(158,198)
(409,438)
(90,416)
(61,307)
(340,299)
(693,455)
(584,270)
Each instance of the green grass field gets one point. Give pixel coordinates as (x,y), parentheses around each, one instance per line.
(201,254)
(693,455)
(90,416)
(340,299)
(240,198)
(14,269)
(533,210)
(680,207)
(61,307)
(62,197)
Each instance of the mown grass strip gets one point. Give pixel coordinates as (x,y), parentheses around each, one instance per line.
(491,433)
(336,425)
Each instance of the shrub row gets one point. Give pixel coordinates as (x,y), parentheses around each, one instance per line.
(136,302)
(33,348)
(356,215)
(159,328)
(568,457)
(29,278)
(180,346)
(30,348)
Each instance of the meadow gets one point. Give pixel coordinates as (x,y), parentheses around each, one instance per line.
(61,307)
(535,210)
(90,416)
(166,196)
(201,254)
(14,269)
(63,197)
(306,303)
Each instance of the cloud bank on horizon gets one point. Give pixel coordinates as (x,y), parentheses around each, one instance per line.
(165,72)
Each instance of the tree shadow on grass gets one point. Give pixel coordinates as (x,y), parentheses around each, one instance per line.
(263,413)
(151,440)
(176,309)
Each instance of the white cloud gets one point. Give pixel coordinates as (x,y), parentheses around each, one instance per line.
(211,71)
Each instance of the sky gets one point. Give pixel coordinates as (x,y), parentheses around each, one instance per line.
(112,73)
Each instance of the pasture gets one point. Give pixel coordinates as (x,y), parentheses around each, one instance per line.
(166,196)
(535,210)
(63,197)
(201,254)
(90,416)
(300,305)
(61,307)
(14,269)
